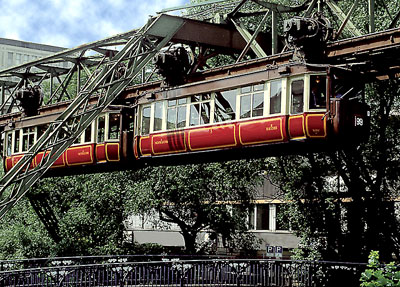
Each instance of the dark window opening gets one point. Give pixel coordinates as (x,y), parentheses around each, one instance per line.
(317,92)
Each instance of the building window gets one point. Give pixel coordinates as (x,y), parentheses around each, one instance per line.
(10,59)
(18,58)
(262,217)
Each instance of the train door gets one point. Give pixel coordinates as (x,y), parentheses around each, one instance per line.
(127,132)
(108,130)
(296,121)
(316,98)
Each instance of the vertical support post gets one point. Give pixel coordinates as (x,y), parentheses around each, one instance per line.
(51,84)
(371,11)
(3,94)
(274,33)
(78,78)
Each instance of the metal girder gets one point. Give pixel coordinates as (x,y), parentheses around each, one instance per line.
(251,43)
(342,16)
(283,8)
(62,132)
(250,39)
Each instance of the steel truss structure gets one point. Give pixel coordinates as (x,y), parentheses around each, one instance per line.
(97,73)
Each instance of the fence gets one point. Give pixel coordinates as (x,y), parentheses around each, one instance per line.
(175,272)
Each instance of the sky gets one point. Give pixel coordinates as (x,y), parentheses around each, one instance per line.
(70,23)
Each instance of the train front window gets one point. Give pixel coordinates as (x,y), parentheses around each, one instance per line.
(225,106)
(113,126)
(317,92)
(297,88)
(275,99)
(16,141)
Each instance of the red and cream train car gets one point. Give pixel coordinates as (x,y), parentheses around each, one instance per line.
(289,107)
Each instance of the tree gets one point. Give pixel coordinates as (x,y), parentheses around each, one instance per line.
(341,202)
(88,212)
(198,197)
(22,235)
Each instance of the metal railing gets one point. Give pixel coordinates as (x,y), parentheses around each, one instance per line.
(175,272)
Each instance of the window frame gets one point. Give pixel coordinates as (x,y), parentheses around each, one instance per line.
(290,95)
(308,91)
(202,101)
(251,93)
(29,133)
(176,107)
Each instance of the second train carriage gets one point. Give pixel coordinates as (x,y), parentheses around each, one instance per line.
(276,109)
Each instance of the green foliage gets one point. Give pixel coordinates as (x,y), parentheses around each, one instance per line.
(378,274)
(22,235)
(339,202)
(198,197)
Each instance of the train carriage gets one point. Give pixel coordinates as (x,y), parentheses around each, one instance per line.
(281,109)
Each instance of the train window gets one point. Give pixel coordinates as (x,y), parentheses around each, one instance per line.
(200,111)
(16,141)
(158,116)
(113,126)
(257,105)
(200,114)
(146,120)
(245,90)
(245,106)
(258,88)
(275,99)
(297,88)
(225,106)
(252,105)
(101,125)
(88,134)
(176,114)
(317,92)
(9,144)
(28,138)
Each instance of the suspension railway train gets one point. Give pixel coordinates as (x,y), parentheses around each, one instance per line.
(277,109)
